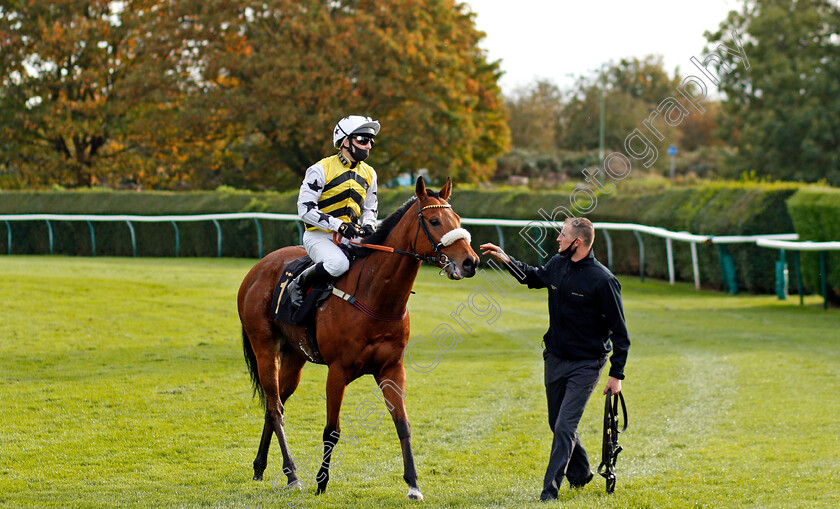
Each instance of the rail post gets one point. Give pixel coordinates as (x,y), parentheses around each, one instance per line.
(218,238)
(133,238)
(9,236)
(50,232)
(259,238)
(641,255)
(92,239)
(823,278)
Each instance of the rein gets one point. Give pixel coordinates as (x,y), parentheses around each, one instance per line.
(610,447)
(448,239)
(388,249)
(439,259)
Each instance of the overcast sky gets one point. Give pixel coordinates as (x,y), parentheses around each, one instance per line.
(554,40)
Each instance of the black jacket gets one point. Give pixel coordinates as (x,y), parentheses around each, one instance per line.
(584,308)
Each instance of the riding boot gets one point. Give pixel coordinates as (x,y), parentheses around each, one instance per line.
(306,279)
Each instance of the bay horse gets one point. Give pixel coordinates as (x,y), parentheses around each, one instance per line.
(352,343)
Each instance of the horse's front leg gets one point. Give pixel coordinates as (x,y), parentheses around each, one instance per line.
(336,383)
(392,384)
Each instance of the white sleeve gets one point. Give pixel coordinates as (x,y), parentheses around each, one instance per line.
(310,193)
(370,208)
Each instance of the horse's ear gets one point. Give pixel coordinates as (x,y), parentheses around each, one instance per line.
(446,190)
(420,188)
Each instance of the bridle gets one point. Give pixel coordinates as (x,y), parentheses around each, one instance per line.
(449,238)
(446,240)
(440,259)
(609,445)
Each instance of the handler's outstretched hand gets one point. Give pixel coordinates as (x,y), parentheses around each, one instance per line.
(613,384)
(495,251)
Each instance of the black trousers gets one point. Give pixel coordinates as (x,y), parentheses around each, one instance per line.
(568,386)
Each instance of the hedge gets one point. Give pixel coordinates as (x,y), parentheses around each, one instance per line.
(714,208)
(816,215)
(154,239)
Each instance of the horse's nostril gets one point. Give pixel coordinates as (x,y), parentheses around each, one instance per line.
(469,267)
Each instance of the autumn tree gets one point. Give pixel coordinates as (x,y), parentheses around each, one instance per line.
(697,131)
(197,94)
(283,72)
(782,107)
(75,75)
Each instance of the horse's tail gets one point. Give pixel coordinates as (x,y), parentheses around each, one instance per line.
(253,369)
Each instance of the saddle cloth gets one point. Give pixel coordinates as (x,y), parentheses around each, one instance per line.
(281,300)
(284,311)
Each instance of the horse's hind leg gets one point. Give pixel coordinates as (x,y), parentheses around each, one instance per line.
(291,364)
(261,460)
(271,384)
(288,380)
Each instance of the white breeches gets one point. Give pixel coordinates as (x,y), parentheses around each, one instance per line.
(321,248)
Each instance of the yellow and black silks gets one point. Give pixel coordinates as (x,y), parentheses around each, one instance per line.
(345,190)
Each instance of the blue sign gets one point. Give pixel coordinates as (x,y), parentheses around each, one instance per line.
(672,150)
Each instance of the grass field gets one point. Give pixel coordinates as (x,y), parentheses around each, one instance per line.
(122,384)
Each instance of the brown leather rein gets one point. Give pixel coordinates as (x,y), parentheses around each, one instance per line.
(440,259)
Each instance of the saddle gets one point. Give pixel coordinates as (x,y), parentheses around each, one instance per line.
(284,311)
(281,300)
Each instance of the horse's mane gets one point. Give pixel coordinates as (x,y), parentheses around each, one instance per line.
(389,223)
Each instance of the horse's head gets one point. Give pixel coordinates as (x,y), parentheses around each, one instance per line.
(442,228)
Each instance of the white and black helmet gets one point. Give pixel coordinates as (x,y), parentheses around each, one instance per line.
(354,124)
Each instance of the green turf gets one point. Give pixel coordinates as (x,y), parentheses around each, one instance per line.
(122,384)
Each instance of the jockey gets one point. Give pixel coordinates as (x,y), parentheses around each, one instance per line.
(338,194)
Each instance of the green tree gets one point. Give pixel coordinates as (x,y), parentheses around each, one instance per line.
(644,79)
(632,88)
(281,73)
(580,121)
(783,112)
(534,116)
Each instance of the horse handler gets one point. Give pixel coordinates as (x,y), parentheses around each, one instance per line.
(586,322)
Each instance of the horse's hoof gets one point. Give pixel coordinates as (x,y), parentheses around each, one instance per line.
(414,494)
(296,485)
(258,477)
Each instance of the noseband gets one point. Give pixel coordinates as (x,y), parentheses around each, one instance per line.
(439,259)
(446,240)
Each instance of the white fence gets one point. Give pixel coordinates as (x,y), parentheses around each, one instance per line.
(796,247)
(602,227)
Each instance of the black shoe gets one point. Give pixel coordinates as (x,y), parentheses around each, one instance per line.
(306,279)
(295,293)
(583,483)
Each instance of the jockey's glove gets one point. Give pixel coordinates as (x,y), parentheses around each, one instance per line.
(348,230)
(366,230)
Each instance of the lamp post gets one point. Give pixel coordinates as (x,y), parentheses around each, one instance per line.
(601,128)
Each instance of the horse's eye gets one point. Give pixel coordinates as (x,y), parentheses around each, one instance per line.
(434,221)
